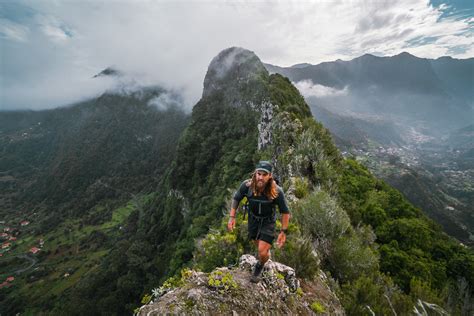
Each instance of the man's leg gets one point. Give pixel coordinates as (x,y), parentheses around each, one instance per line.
(263,251)
(263,256)
(255,243)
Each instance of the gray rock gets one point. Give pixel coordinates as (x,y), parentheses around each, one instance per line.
(277,293)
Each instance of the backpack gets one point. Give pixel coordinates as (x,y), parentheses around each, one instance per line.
(246,207)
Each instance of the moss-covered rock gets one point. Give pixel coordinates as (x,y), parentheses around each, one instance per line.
(229,291)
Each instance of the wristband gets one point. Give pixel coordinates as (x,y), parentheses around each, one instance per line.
(284,231)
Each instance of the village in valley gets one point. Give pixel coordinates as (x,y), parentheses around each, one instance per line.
(35,261)
(445,173)
(10,237)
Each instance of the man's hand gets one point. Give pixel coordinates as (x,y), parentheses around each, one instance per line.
(281,239)
(231,224)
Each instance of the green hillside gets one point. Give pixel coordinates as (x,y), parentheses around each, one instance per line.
(79,175)
(379,250)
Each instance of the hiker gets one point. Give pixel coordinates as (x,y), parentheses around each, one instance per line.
(263,194)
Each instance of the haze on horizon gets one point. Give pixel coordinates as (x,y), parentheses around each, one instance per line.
(50,50)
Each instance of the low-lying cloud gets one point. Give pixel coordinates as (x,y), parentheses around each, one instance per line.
(52,92)
(308,89)
(50,50)
(166,101)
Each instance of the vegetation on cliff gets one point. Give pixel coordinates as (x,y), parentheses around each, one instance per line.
(379,250)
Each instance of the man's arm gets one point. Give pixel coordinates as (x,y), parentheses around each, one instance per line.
(238,196)
(233,210)
(285,219)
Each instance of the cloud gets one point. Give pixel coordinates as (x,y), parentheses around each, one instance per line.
(166,101)
(387,28)
(53,29)
(54,48)
(308,89)
(10,30)
(56,91)
(235,56)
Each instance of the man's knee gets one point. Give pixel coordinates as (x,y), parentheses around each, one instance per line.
(263,248)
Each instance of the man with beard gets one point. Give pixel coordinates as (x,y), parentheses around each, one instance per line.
(263,195)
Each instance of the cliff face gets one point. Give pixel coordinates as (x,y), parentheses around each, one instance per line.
(229,291)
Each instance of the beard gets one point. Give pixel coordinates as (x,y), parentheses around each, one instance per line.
(261,184)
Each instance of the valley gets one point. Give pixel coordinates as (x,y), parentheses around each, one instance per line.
(411,127)
(73,182)
(45,265)
(433,176)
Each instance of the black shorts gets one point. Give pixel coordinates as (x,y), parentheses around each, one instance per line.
(261,228)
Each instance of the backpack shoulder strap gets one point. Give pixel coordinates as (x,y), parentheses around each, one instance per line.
(249,188)
(248,194)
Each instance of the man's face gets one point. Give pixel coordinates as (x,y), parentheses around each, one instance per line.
(262,179)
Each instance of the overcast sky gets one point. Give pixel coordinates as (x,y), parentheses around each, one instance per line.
(49,50)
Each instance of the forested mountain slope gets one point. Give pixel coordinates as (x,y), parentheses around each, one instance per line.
(382,253)
(75,174)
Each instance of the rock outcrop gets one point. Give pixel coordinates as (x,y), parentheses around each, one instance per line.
(237,65)
(227,291)
(236,76)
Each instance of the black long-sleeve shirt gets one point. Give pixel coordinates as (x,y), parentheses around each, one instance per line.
(261,205)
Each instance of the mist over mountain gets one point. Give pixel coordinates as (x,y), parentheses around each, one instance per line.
(355,130)
(77,173)
(61,162)
(462,138)
(125,194)
(109,71)
(434,94)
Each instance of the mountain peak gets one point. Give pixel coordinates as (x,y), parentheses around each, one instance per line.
(109,72)
(234,63)
(301,65)
(405,55)
(230,58)
(368,56)
(446,58)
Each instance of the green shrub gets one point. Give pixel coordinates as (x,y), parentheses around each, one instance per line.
(299,292)
(299,254)
(172,282)
(218,249)
(317,307)
(422,290)
(320,217)
(222,281)
(146,299)
(352,257)
(301,187)
(378,292)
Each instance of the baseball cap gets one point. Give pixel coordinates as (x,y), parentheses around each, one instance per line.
(264,166)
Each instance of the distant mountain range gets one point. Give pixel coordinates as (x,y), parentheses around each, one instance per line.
(403,72)
(409,119)
(437,92)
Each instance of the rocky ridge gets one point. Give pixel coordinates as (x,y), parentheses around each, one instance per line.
(229,291)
